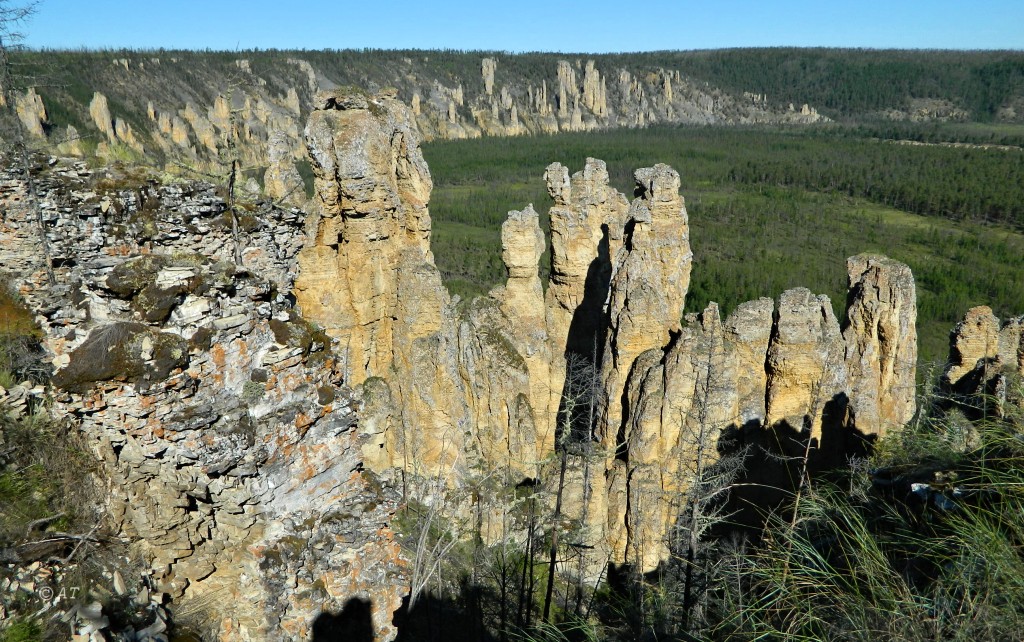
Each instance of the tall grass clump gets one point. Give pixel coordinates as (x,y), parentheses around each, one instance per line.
(925,543)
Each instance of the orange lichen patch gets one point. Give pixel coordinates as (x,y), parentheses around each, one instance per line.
(303,422)
(241,347)
(218,355)
(309,471)
(121,249)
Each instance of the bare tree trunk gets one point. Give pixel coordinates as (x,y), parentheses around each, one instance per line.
(553,558)
(235,235)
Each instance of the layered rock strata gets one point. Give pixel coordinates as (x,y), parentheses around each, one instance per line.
(229,446)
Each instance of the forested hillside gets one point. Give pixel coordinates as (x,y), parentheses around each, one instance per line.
(845,83)
(841,83)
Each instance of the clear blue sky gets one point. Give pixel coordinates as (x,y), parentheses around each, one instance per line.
(594,26)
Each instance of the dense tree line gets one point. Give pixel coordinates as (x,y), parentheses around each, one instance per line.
(853,82)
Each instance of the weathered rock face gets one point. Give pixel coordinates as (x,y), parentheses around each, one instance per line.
(115,130)
(229,446)
(680,400)
(200,117)
(881,343)
(282,181)
(648,289)
(974,343)
(31,112)
(605,371)
(982,351)
(100,113)
(522,303)
(805,366)
(749,329)
(487,69)
(372,188)
(460,389)
(587,222)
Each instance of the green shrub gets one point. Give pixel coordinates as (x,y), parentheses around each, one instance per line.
(21,629)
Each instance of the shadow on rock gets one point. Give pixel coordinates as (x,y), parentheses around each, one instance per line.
(353,624)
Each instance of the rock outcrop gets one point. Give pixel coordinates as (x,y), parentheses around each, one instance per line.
(648,289)
(115,130)
(881,343)
(373,229)
(983,351)
(185,111)
(281,181)
(460,389)
(229,446)
(253,448)
(805,365)
(31,112)
(606,371)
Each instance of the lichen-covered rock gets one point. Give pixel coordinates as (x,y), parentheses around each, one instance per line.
(227,443)
(123,351)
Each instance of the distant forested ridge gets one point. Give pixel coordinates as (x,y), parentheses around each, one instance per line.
(853,83)
(840,83)
(191,106)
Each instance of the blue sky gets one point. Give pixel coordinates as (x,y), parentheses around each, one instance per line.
(595,26)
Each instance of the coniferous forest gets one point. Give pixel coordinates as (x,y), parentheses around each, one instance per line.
(772,209)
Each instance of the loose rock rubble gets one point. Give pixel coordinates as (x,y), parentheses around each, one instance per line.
(227,436)
(109,612)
